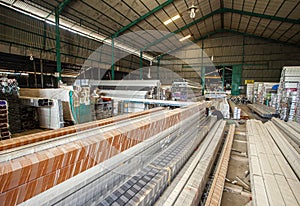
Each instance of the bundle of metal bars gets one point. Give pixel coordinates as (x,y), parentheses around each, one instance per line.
(33,138)
(190,188)
(232,105)
(26,176)
(273,182)
(291,130)
(263,110)
(139,175)
(289,152)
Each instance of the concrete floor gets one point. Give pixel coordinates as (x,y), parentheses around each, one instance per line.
(238,164)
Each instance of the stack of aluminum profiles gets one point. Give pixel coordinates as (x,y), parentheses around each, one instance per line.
(190,187)
(289,152)
(98,183)
(263,110)
(273,181)
(290,130)
(145,187)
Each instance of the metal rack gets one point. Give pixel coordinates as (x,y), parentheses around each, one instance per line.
(104,108)
(183,90)
(287,93)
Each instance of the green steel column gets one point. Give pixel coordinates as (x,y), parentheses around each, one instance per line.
(202,69)
(113,58)
(157,69)
(243,49)
(57,37)
(223,78)
(58,10)
(141,64)
(44,35)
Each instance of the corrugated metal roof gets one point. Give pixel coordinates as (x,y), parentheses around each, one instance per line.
(108,17)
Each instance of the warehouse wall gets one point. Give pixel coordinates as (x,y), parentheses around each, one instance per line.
(261,59)
(24,35)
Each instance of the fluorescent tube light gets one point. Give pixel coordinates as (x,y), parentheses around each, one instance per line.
(186,37)
(172,19)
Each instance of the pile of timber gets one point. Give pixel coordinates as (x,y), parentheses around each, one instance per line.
(273,181)
(263,110)
(26,176)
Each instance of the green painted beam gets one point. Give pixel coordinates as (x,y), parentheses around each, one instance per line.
(223,79)
(264,16)
(158,65)
(57,45)
(141,64)
(58,10)
(202,69)
(142,18)
(113,58)
(218,11)
(62,5)
(222,11)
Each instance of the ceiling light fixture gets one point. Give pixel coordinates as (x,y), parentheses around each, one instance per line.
(212,58)
(192,11)
(186,37)
(172,19)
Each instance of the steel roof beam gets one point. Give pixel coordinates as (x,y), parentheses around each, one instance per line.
(226,30)
(62,5)
(141,18)
(218,11)
(222,11)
